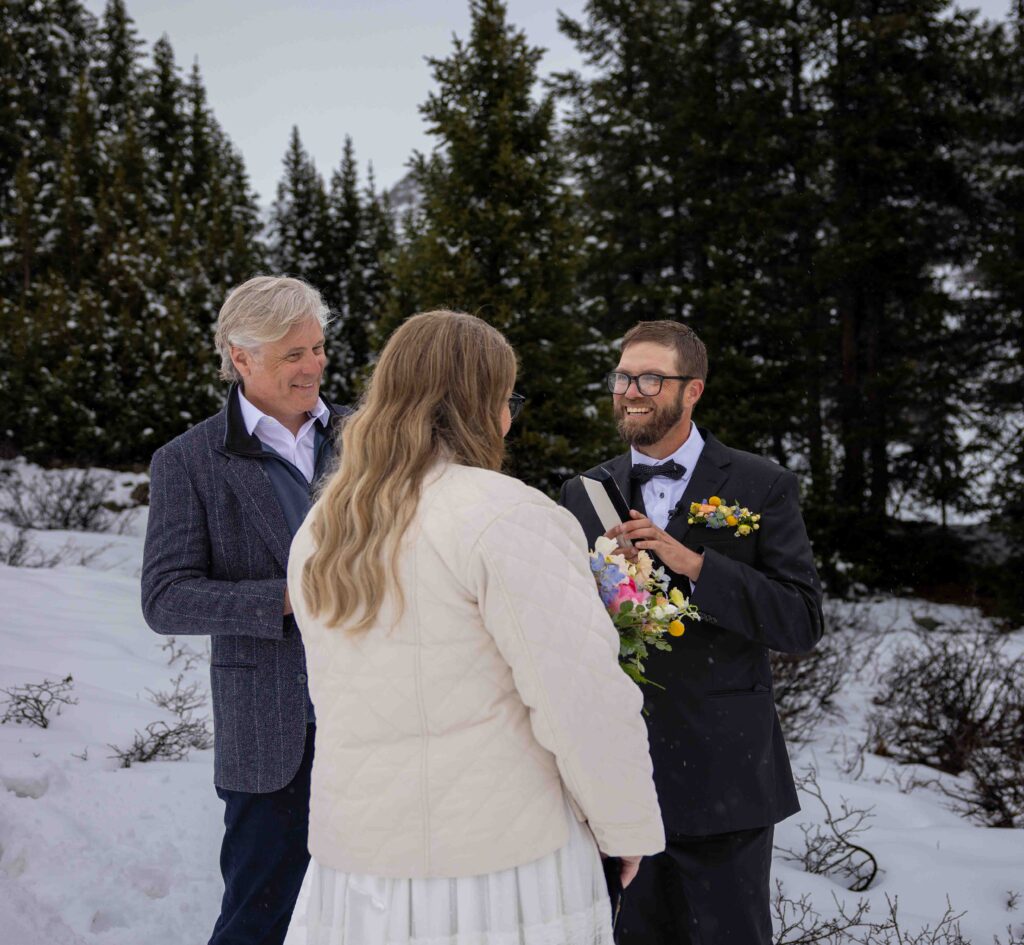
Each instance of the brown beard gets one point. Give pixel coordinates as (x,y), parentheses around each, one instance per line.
(654,427)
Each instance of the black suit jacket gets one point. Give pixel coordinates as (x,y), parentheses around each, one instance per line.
(720,761)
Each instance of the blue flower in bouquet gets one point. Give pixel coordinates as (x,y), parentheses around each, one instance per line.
(642,604)
(609,577)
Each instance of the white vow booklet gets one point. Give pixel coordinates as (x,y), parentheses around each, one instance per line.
(607,500)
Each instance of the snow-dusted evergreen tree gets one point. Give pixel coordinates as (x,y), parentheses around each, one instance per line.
(337,238)
(127,218)
(495,236)
(299,218)
(360,235)
(118,74)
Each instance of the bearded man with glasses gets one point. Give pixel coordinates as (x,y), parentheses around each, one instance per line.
(720,762)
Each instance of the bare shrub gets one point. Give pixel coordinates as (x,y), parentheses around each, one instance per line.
(181,700)
(994,795)
(165,742)
(33,703)
(72,500)
(889,931)
(183,655)
(20,551)
(797,922)
(829,848)
(806,685)
(945,698)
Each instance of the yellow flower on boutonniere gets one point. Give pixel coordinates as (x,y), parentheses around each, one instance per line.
(676,628)
(714,514)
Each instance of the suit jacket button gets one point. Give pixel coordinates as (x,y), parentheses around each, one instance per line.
(301,677)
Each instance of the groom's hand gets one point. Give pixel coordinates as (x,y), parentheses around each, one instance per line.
(645,535)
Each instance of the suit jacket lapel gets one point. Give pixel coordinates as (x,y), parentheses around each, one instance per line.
(708,478)
(245,475)
(250,482)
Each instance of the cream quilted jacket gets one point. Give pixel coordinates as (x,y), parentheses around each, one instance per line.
(445,738)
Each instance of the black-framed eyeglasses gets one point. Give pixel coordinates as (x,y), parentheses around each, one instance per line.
(649,385)
(515,404)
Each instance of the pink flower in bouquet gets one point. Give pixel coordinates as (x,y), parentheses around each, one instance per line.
(627,590)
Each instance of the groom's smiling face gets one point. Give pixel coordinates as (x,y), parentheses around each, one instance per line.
(644,421)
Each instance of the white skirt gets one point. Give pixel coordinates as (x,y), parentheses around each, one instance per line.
(560,899)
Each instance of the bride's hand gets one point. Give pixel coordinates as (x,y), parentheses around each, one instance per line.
(630,866)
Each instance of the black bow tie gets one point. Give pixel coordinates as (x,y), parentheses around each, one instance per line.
(643,472)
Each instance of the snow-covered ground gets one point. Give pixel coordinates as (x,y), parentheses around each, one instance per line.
(91,852)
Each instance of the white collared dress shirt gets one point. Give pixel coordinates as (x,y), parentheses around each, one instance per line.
(298,449)
(661,495)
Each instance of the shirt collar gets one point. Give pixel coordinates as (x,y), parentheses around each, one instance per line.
(686,456)
(252,415)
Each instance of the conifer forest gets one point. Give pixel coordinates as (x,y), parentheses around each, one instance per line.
(830,192)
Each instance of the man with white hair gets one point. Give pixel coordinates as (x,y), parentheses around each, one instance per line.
(226,497)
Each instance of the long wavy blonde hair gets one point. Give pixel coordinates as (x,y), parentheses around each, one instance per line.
(436,393)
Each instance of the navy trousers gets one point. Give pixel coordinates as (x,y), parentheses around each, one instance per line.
(702,891)
(263,859)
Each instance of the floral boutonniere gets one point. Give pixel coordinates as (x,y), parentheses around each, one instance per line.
(713,513)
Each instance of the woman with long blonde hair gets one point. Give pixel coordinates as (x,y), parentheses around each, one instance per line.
(477,743)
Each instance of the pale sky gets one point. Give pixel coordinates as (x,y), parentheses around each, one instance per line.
(335,67)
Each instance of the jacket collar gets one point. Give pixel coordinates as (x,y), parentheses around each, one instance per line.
(238,441)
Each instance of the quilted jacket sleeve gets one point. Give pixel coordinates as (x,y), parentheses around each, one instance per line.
(538,600)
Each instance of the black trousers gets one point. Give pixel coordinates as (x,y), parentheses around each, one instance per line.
(263,859)
(702,891)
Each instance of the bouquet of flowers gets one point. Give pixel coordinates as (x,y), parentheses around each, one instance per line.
(640,603)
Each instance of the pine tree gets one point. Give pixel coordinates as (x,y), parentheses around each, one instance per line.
(998,315)
(163,100)
(299,217)
(118,75)
(359,239)
(898,200)
(495,236)
(371,283)
(127,218)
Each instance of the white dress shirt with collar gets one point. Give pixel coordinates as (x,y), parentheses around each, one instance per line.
(298,449)
(661,495)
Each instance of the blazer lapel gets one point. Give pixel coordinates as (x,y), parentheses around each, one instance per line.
(250,482)
(708,478)
(245,475)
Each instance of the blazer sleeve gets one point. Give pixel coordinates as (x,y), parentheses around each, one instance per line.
(538,600)
(778,603)
(178,596)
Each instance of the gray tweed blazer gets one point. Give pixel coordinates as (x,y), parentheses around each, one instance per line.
(215,563)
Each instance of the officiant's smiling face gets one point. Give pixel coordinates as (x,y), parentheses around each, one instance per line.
(654,423)
(282,378)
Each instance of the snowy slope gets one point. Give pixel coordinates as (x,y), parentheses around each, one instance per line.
(94,853)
